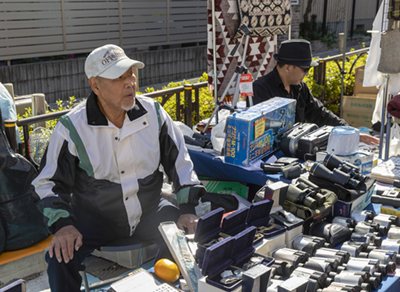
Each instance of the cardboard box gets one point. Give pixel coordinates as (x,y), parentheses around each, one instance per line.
(363,159)
(344,209)
(358,83)
(390,210)
(225,187)
(252,134)
(357,110)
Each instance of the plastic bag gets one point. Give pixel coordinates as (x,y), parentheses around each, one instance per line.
(218,131)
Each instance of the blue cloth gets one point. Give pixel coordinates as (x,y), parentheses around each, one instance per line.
(209,165)
(8,109)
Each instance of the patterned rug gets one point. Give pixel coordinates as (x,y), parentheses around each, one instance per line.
(258,60)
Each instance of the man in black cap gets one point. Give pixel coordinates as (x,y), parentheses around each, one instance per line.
(286,80)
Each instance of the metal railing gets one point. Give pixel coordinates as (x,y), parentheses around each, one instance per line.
(184,113)
(320,71)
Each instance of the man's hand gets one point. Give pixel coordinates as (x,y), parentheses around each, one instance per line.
(368,139)
(64,242)
(188,221)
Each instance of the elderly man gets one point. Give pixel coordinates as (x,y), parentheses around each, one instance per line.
(286,80)
(100,178)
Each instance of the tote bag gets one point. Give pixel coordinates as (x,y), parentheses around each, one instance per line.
(264,17)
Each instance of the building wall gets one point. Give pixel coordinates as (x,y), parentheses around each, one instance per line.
(59,80)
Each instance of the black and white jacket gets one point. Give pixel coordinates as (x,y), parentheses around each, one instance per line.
(110,172)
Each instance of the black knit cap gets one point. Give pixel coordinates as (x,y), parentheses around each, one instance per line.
(295,52)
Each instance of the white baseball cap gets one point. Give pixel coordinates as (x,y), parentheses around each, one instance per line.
(109,61)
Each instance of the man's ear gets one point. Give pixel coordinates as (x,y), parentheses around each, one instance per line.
(94,84)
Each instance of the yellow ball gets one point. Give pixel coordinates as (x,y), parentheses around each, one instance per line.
(167,270)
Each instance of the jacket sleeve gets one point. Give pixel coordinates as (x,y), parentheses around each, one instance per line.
(177,164)
(316,113)
(55,181)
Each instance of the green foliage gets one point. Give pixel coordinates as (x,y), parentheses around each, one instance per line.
(332,88)
(51,124)
(206,102)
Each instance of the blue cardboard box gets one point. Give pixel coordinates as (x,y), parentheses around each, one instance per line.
(252,134)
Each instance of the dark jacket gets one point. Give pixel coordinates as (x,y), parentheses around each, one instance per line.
(308,108)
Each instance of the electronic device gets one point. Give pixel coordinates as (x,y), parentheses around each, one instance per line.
(315,141)
(291,137)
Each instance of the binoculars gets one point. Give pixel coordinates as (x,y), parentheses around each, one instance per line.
(318,170)
(332,162)
(368,238)
(320,278)
(291,256)
(356,249)
(305,193)
(321,265)
(370,227)
(386,220)
(288,166)
(345,287)
(394,232)
(386,257)
(362,215)
(329,253)
(345,221)
(308,244)
(199,140)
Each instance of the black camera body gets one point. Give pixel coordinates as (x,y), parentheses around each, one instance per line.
(290,138)
(315,141)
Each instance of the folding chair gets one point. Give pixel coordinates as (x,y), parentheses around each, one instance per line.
(125,244)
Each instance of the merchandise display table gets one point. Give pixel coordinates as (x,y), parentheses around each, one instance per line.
(209,165)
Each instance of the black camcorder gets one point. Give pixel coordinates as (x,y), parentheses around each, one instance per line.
(291,137)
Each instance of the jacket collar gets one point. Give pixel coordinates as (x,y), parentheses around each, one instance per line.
(96,118)
(276,79)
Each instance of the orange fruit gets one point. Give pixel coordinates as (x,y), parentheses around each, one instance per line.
(166,270)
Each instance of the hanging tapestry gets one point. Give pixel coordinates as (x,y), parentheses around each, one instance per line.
(258,59)
(266,17)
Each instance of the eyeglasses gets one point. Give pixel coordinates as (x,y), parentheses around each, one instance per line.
(305,70)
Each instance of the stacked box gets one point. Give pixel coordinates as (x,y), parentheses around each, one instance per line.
(252,134)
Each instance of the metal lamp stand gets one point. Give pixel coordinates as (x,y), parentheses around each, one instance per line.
(236,75)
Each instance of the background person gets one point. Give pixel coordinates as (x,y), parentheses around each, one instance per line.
(286,80)
(100,178)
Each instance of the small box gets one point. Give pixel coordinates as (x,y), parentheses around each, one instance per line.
(252,134)
(218,258)
(256,279)
(209,227)
(225,187)
(259,216)
(358,83)
(390,210)
(232,253)
(363,159)
(294,284)
(344,209)
(357,110)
